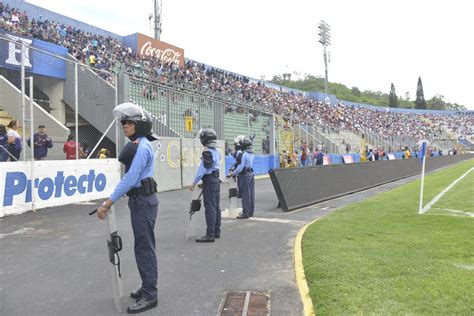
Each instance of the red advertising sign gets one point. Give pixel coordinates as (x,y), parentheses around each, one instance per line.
(164,52)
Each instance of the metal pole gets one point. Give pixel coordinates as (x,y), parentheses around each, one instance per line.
(420,207)
(32,147)
(157,22)
(326,72)
(32,128)
(23,126)
(103,136)
(116,122)
(273,136)
(76,103)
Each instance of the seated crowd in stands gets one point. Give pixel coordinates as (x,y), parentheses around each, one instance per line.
(110,54)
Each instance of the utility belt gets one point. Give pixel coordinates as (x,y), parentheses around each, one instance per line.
(148,187)
(246,170)
(213,174)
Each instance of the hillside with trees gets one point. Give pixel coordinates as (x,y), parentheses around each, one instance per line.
(377,98)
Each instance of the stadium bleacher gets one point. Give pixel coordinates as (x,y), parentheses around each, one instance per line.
(197,89)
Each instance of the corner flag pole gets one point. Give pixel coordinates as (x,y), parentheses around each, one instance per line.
(423,156)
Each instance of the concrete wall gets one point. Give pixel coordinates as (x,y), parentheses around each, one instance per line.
(96,98)
(177,160)
(54,89)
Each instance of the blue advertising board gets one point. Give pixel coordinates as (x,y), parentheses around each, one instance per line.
(36,62)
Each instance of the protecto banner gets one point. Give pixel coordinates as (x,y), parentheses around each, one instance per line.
(149,47)
(36,62)
(55,183)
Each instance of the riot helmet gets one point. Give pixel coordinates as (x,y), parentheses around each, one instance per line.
(208,137)
(247,145)
(238,142)
(134,113)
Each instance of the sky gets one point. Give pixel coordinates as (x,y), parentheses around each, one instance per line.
(373,42)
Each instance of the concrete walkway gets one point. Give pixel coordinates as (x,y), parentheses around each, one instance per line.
(53,262)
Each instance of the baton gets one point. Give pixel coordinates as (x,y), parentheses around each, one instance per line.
(93,212)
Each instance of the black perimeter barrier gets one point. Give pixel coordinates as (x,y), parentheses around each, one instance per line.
(299,187)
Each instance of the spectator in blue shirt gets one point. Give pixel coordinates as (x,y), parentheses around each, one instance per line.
(41,142)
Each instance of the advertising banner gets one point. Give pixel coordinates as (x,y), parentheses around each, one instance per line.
(348,159)
(35,61)
(326,160)
(55,183)
(164,52)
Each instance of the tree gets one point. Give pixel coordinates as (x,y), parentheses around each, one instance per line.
(420,102)
(392,98)
(436,103)
(355,91)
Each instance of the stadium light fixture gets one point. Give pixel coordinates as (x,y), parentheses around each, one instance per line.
(325,40)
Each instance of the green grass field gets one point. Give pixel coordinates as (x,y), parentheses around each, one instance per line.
(381,257)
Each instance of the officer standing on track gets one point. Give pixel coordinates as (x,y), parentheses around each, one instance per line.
(246,179)
(238,157)
(208,171)
(141,188)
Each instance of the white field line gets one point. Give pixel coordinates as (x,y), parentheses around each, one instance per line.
(446,214)
(454,211)
(465,267)
(277,220)
(437,197)
(17,232)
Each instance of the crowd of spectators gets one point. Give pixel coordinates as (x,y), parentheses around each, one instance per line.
(110,54)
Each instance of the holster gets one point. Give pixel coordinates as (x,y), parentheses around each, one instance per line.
(148,186)
(233,192)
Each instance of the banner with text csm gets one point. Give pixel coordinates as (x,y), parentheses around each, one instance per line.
(55,183)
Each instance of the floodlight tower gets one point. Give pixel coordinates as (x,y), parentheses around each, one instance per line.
(158,5)
(325,40)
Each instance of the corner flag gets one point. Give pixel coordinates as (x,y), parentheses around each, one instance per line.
(423,161)
(423,151)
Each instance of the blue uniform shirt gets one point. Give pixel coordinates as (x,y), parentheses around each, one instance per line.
(216,158)
(247,162)
(142,167)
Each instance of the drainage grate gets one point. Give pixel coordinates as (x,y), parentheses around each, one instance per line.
(245,303)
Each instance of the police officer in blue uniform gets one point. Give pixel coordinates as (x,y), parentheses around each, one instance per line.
(138,184)
(208,171)
(238,157)
(246,179)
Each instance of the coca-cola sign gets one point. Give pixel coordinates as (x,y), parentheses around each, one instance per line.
(166,53)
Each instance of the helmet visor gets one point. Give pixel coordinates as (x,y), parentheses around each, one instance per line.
(125,111)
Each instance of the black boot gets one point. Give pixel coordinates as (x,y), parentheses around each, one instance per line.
(137,294)
(205,238)
(242,216)
(142,305)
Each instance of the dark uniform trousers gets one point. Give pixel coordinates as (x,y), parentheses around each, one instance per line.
(143,212)
(211,193)
(247,189)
